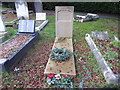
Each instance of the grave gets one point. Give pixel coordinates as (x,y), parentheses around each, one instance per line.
(22,9)
(64,27)
(18,45)
(107,72)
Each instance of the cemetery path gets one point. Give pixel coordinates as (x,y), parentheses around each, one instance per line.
(102,15)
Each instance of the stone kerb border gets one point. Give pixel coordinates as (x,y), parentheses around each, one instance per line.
(107,72)
(42,25)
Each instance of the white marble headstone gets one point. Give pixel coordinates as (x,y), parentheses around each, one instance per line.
(64,21)
(2,26)
(22,9)
(40,16)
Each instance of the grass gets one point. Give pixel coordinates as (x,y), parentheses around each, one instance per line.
(11,31)
(79,31)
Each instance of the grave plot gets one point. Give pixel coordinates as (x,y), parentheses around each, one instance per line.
(14,49)
(107,57)
(63,41)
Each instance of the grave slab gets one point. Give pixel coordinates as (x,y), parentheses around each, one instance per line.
(67,67)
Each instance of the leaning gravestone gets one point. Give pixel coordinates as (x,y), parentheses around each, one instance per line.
(100,35)
(64,27)
(22,9)
(26,26)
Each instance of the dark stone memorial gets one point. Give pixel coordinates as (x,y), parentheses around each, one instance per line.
(100,35)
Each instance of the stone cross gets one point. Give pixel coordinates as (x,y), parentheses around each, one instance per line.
(22,9)
(2,26)
(64,21)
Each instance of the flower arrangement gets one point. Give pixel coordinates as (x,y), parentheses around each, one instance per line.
(57,79)
(60,55)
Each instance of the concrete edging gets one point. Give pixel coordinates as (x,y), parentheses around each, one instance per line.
(107,72)
(42,25)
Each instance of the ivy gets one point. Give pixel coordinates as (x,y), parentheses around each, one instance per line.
(60,55)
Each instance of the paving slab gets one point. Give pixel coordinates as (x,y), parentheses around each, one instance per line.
(65,67)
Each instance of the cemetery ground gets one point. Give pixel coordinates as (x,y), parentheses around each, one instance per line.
(31,67)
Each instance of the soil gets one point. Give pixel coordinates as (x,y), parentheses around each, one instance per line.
(13,45)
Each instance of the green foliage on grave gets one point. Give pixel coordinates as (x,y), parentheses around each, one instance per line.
(60,55)
(115,44)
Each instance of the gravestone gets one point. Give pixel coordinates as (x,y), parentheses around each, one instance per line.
(22,9)
(40,16)
(100,35)
(64,21)
(26,26)
(38,6)
(2,26)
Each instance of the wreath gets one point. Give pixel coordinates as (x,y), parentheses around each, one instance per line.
(60,55)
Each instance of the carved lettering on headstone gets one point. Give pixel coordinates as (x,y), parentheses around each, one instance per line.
(64,21)
(26,26)
(22,9)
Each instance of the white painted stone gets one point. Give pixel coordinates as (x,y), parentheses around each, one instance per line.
(40,16)
(22,9)
(64,21)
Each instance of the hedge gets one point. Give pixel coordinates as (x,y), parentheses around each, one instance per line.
(93,7)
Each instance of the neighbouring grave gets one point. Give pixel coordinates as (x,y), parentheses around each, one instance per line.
(64,27)
(22,9)
(15,48)
(100,35)
(107,72)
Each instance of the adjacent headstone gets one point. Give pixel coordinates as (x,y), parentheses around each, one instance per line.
(100,35)
(2,26)
(64,21)
(22,9)
(26,26)
(40,16)
(38,6)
